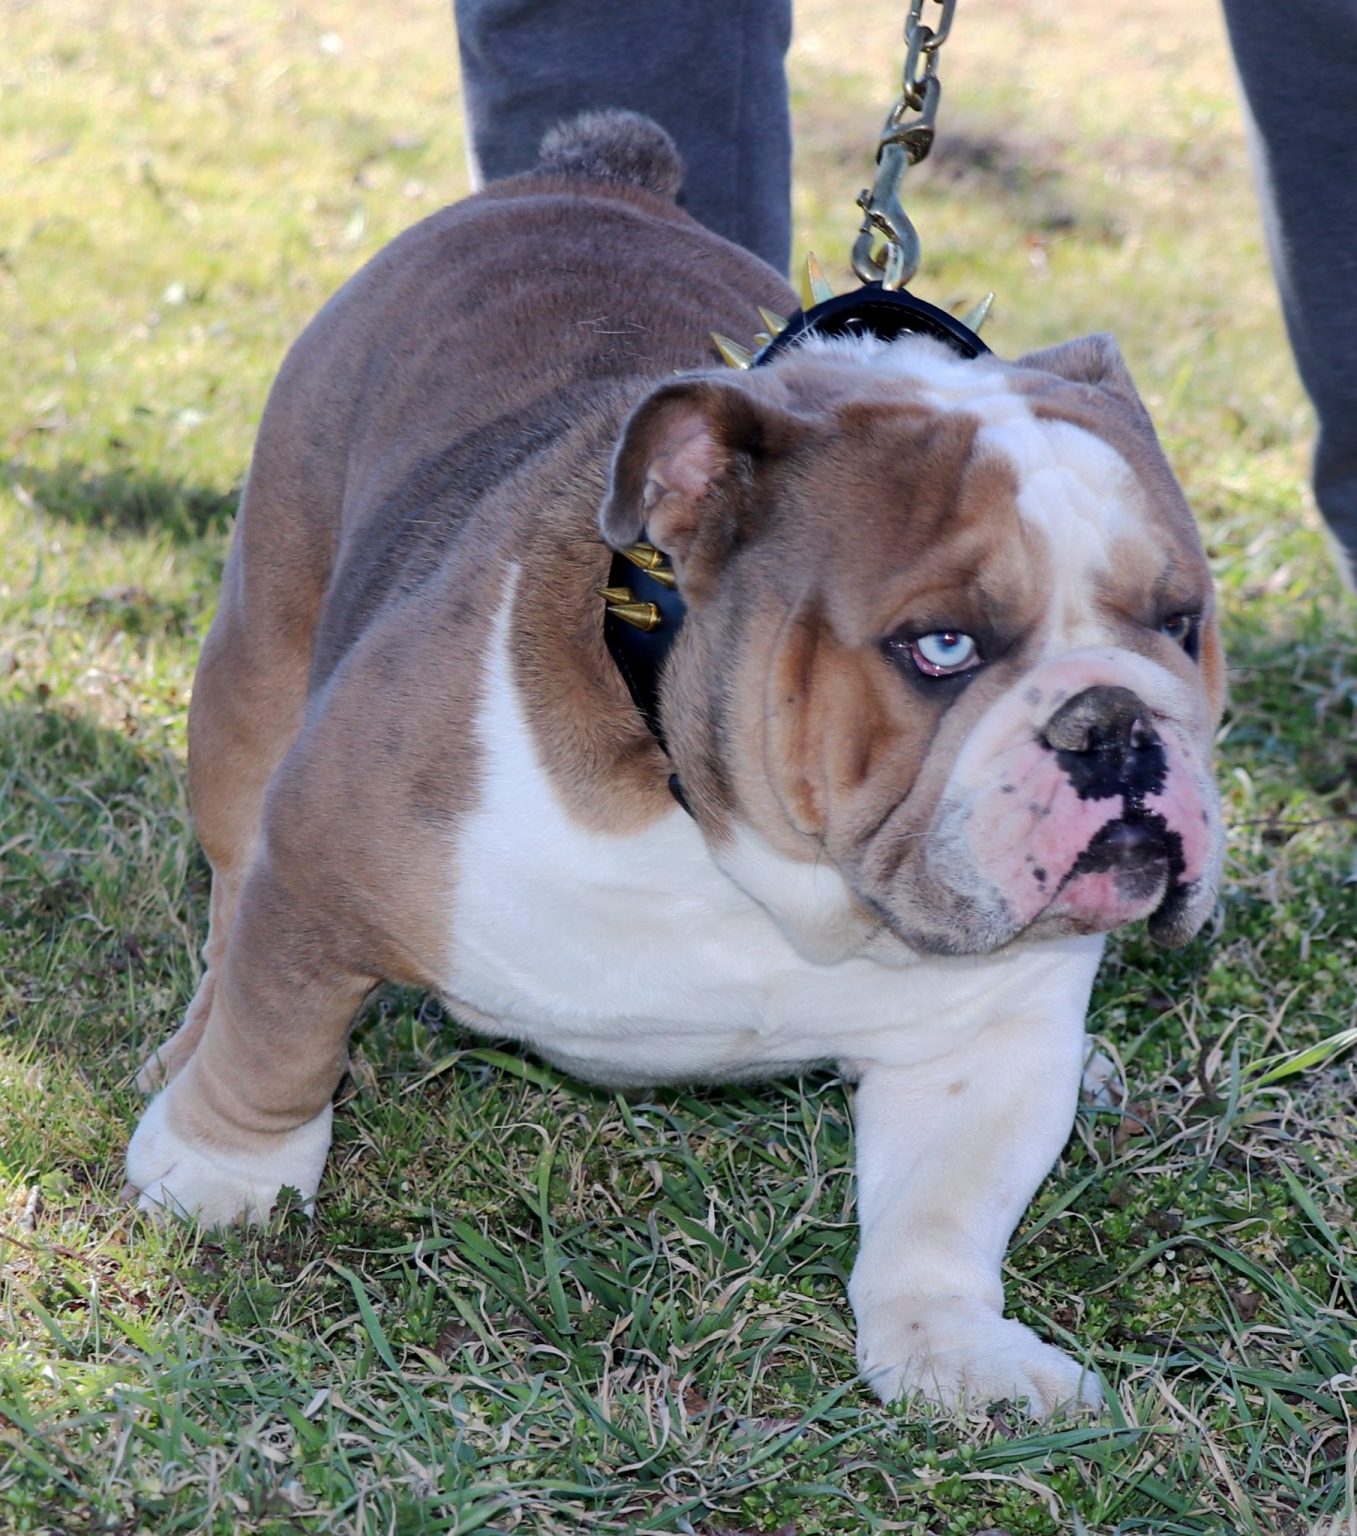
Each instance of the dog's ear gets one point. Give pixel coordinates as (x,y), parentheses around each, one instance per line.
(1095,360)
(684,469)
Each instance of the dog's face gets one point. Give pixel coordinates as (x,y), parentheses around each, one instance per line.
(951,629)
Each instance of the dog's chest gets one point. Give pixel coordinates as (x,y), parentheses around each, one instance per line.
(636,959)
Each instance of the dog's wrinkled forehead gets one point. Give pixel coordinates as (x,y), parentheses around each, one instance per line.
(994,469)
(1071,488)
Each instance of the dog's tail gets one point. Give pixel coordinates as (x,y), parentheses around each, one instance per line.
(614,146)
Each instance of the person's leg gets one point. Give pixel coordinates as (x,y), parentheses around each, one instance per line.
(1298,68)
(710,72)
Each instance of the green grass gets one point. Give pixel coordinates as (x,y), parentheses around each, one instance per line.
(526,1305)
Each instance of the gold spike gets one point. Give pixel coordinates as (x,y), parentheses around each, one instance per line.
(645,555)
(641,615)
(615,594)
(977,314)
(732,353)
(774,321)
(761,339)
(815,287)
(651,560)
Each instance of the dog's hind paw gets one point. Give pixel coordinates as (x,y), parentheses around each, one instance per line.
(171,1173)
(961,1354)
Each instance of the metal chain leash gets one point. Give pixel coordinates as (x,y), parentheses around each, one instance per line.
(887,247)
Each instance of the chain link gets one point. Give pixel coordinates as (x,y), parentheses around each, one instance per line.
(887,247)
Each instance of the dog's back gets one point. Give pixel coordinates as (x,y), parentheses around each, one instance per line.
(577,282)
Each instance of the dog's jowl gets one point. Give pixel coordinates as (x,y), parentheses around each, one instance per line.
(939,717)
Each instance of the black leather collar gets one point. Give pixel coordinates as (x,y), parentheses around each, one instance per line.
(875,311)
(868,311)
(640,653)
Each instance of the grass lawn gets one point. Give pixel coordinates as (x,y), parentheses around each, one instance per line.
(525,1305)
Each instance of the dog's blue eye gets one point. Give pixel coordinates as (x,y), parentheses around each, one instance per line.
(944,653)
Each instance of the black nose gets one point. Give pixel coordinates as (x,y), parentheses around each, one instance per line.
(1100,720)
(1106,744)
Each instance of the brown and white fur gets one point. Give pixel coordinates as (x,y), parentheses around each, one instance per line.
(412,759)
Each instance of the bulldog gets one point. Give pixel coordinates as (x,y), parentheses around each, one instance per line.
(938,718)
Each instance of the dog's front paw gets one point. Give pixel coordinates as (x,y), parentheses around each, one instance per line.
(962,1354)
(171,1172)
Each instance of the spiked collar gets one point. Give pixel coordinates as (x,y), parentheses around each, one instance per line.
(645,610)
(873,311)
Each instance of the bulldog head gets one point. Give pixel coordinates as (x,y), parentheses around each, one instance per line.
(951,631)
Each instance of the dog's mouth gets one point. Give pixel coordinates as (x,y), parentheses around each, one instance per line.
(1137,863)
(1003,868)
(1141,851)
(1131,868)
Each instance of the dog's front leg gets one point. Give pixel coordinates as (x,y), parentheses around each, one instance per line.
(949,1153)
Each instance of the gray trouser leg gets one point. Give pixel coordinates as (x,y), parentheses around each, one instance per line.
(711,72)
(1298,66)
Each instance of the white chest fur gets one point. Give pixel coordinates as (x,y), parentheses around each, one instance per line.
(636,960)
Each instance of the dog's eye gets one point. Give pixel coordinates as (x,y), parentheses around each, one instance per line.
(944,653)
(1183,629)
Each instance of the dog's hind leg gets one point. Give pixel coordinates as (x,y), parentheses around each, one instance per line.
(249,693)
(249,1111)
(348,885)
(242,719)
